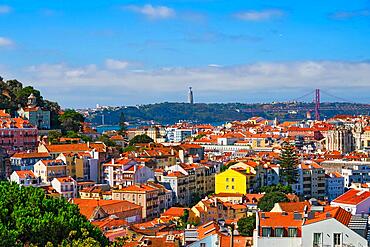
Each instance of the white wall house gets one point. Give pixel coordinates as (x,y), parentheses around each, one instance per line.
(65,186)
(26,178)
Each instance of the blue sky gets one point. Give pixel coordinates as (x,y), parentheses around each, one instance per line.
(81,53)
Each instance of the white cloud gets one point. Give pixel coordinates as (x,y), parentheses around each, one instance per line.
(254,15)
(5,42)
(153,12)
(5,9)
(64,82)
(116,64)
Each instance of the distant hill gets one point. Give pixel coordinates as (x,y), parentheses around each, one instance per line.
(168,113)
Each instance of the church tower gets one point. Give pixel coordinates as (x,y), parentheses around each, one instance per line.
(31,103)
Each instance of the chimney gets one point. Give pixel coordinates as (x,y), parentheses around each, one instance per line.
(263,215)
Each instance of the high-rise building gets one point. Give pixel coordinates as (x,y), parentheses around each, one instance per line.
(190,96)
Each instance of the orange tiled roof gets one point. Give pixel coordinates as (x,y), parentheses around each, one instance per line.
(337,213)
(87,206)
(62,148)
(30,155)
(352,197)
(294,206)
(25,174)
(175,211)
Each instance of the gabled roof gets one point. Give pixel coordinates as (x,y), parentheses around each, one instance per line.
(294,206)
(25,174)
(88,206)
(175,211)
(337,213)
(30,155)
(62,148)
(352,197)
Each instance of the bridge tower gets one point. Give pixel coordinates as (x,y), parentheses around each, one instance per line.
(317,104)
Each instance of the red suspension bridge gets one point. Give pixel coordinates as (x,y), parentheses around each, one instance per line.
(315,106)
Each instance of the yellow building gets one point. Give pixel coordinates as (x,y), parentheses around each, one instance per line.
(234,181)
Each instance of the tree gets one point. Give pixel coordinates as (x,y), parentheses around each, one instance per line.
(268,200)
(141,139)
(106,140)
(246,225)
(23,94)
(54,136)
(289,165)
(183,220)
(28,217)
(286,189)
(54,109)
(71,121)
(122,124)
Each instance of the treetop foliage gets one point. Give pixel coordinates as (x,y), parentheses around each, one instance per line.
(141,139)
(268,201)
(289,165)
(29,217)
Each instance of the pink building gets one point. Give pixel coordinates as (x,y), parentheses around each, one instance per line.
(17,134)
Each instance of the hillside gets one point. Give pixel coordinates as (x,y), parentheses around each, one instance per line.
(168,113)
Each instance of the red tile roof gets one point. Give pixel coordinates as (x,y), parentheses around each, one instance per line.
(30,155)
(175,211)
(352,197)
(25,174)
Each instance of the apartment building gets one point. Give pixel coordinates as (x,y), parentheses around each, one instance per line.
(356,174)
(313,176)
(65,186)
(126,172)
(331,227)
(334,185)
(154,199)
(47,170)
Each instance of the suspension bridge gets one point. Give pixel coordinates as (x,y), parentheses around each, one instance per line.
(314,106)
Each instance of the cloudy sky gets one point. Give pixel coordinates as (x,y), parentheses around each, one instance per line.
(82,53)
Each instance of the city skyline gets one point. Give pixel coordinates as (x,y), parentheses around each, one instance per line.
(109,53)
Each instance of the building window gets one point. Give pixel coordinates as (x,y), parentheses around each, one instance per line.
(337,239)
(279,232)
(227,179)
(227,187)
(232,187)
(203,245)
(266,231)
(232,180)
(292,232)
(317,239)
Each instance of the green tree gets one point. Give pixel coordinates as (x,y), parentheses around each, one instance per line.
(288,161)
(246,225)
(23,94)
(54,109)
(141,139)
(268,200)
(29,217)
(106,140)
(122,124)
(53,136)
(71,121)
(286,189)
(183,220)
